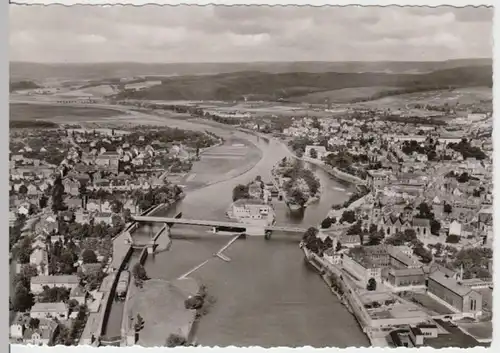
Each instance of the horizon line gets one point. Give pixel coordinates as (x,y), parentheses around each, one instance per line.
(243,62)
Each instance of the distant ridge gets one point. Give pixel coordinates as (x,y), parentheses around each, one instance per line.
(255,85)
(82,71)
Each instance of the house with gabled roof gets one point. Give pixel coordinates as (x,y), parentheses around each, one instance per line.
(422,226)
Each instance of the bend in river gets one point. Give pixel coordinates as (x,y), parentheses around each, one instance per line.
(265,295)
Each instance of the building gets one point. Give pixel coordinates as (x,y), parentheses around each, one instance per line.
(422,226)
(406,277)
(21,332)
(320,151)
(57,310)
(362,269)
(250,208)
(454,294)
(78,294)
(39,259)
(376,179)
(65,281)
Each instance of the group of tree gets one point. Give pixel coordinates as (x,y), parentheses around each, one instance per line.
(314,243)
(474,262)
(16,230)
(58,196)
(23,298)
(425,212)
(467,150)
(299,144)
(348,216)
(139,274)
(176,340)
(240,191)
(62,258)
(328,222)
(297,171)
(54,294)
(402,238)
(156,196)
(372,284)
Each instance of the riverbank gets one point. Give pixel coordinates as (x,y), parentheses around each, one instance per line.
(334,172)
(338,286)
(161,304)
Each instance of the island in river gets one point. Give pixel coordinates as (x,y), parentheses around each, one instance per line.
(298,183)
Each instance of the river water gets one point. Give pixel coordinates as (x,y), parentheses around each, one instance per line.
(266,295)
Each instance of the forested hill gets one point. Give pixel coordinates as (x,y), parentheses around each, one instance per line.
(268,86)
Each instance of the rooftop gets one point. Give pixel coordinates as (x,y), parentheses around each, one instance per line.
(449,283)
(49,307)
(56,279)
(244,202)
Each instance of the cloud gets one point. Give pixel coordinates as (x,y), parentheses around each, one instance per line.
(247,33)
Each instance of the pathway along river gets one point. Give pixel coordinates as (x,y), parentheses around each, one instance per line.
(266,295)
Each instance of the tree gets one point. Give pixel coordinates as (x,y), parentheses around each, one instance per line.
(240,192)
(372,284)
(23,255)
(54,294)
(355,229)
(42,202)
(58,195)
(447,208)
(23,299)
(338,247)
(33,209)
(139,323)
(313,153)
(327,223)
(89,257)
(435,227)
(309,234)
(348,216)
(116,206)
(34,323)
(175,340)
(193,302)
(139,272)
(425,211)
(127,215)
(375,237)
(72,304)
(424,254)
(23,189)
(29,271)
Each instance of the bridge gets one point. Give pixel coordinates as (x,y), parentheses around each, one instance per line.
(250,229)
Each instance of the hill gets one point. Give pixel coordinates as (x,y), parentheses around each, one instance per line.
(256,85)
(38,71)
(22,85)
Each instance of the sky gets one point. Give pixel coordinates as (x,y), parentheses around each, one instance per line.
(162,34)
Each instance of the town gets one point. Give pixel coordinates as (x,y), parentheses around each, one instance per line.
(345,201)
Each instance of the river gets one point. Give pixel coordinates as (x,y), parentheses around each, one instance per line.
(265,295)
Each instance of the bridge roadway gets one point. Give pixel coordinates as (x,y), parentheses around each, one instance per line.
(197,222)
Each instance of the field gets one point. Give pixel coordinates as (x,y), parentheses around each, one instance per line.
(468,95)
(30,112)
(344,95)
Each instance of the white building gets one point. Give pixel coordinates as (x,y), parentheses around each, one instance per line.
(250,209)
(49,311)
(65,281)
